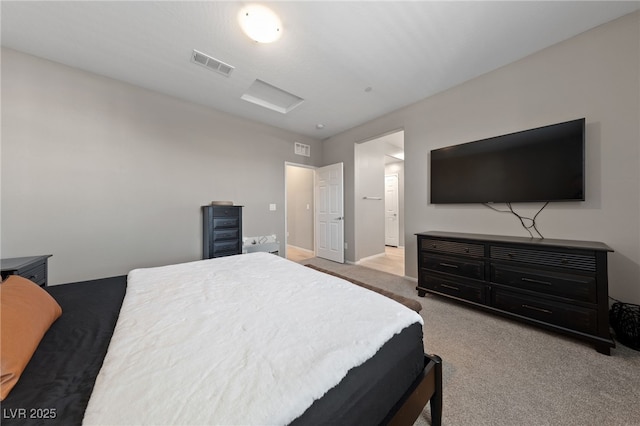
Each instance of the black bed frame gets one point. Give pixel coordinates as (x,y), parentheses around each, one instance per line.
(426,388)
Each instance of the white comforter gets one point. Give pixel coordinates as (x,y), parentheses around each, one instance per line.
(248,339)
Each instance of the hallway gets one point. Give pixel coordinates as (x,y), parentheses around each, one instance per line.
(392,261)
(298,254)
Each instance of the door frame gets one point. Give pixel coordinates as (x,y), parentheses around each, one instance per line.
(286,200)
(357,200)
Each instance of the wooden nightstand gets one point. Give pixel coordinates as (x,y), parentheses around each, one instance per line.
(33,268)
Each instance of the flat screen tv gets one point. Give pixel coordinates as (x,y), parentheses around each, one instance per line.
(541,164)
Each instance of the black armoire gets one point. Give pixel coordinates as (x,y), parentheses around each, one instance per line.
(221,231)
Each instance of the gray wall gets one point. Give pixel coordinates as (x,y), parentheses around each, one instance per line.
(369,181)
(593,75)
(300,206)
(108,177)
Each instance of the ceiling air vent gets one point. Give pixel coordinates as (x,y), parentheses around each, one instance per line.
(302,149)
(211,63)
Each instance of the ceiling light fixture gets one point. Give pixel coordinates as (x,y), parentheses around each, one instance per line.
(260,23)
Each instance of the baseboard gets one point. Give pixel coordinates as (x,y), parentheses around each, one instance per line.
(364,259)
(301,248)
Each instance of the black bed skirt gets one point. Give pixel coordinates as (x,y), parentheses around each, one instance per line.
(55,387)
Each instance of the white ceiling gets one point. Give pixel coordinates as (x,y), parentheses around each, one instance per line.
(329,52)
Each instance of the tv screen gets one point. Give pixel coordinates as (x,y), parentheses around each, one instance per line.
(542,164)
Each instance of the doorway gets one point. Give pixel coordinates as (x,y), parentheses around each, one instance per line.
(299,208)
(314,212)
(391,211)
(379,203)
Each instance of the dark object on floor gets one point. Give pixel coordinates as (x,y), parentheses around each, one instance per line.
(409,303)
(625,320)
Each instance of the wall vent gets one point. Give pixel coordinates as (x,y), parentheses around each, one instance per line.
(211,63)
(302,149)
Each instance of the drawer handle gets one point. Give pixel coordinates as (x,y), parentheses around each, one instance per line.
(531,280)
(449,265)
(450,286)
(535,308)
(33,277)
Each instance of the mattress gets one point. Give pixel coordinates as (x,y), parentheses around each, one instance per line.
(64,368)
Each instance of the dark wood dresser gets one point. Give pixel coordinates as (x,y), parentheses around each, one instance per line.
(560,285)
(221,231)
(34,268)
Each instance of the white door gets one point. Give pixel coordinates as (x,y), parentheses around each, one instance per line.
(330,212)
(392,227)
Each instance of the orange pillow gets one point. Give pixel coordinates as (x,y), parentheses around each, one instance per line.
(26,313)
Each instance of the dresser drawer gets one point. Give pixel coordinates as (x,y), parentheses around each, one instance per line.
(225,234)
(231,247)
(560,314)
(467,249)
(33,268)
(468,291)
(225,222)
(37,274)
(226,211)
(580,262)
(225,253)
(576,287)
(453,265)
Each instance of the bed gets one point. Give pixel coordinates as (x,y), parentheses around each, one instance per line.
(247,339)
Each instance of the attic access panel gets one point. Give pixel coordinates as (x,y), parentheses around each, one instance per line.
(271,97)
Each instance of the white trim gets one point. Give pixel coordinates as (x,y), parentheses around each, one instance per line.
(375,256)
(311,251)
(382,135)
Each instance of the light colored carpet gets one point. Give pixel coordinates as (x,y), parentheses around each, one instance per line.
(499,372)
